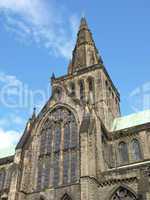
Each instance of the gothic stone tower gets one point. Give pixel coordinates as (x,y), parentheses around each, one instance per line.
(76,149)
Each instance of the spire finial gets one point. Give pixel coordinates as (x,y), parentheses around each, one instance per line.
(53,76)
(83,14)
(34,113)
(83,23)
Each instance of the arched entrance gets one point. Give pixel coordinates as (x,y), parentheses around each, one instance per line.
(123,193)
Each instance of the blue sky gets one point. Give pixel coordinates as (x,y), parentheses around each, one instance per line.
(37,38)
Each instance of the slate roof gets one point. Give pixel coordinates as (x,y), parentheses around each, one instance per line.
(131,120)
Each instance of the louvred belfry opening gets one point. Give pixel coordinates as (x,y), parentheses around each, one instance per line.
(85,53)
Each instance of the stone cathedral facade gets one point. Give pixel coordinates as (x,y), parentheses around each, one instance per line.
(79,147)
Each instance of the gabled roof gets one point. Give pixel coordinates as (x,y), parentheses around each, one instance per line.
(131,120)
(6,152)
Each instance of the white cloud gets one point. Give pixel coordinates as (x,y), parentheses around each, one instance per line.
(13,119)
(9,79)
(8,138)
(47,24)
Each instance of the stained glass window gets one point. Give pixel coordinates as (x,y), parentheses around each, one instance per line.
(66,136)
(46,172)
(74,166)
(74,136)
(59,136)
(135,150)
(49,138)
(56,170)
(66,167)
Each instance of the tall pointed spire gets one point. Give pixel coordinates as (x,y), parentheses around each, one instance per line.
(85,53)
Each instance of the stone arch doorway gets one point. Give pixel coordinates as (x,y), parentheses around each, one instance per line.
(123,193)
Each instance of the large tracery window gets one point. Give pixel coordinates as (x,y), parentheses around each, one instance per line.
(123,194)
(136,150)
(58,160)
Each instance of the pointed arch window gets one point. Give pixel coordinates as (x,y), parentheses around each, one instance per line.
(72,89)
(123,153)
(123,194)
(91,84)
(82,90)
(91,89)
(58,159)
(136,150)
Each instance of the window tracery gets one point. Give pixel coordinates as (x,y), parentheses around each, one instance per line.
(58,150)
(123,194)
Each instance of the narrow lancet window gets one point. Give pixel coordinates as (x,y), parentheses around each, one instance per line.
(72,89)
(82,90)
(123,153)
(136,150)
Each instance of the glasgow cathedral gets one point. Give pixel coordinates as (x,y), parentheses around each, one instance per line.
(79,147)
